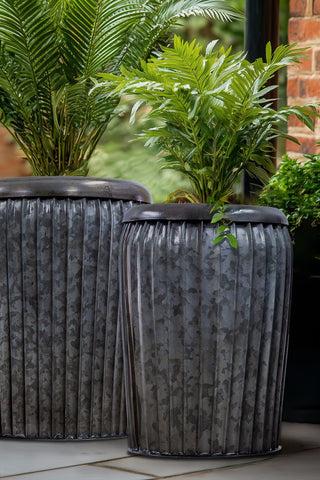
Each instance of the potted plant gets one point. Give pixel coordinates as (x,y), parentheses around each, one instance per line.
(295,189)
(61,371)
(205,326)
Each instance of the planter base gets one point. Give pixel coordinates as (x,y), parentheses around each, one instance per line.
(59,438)
(148,453)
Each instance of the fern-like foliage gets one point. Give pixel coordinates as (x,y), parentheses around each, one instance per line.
(50,53)
(295,189)
(216,120)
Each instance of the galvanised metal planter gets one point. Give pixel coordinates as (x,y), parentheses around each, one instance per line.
(60,349)
(205,330)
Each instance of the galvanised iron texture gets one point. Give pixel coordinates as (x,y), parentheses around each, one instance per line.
(61,367)
(205,330)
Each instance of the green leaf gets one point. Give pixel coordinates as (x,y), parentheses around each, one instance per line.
(233,241)
(217,217)
(134,110)
(223,229)
(268,52)
(211,46)
(218,239)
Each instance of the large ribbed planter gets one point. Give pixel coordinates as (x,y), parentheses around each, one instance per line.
(60,360)
(205,330)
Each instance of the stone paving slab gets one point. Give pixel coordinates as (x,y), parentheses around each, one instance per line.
(24,456)
(164,467)
(109,460)
(298,466)
(81,473)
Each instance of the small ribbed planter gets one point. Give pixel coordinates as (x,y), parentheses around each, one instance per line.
(60,350)
(205,330)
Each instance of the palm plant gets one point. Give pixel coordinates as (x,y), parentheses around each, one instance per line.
(216,121)
(50,52)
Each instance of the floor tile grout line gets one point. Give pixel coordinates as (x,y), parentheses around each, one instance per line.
(65,467)
(233,467)
(187,472)
(289,454)
(225,467)
(41,471)
(125,470)
(308,449)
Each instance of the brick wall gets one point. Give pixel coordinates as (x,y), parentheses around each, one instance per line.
(304,80)
(12,164)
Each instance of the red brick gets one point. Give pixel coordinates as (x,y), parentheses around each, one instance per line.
(303,29)
(306,62)
(11,162)
(316,7)
(292,147)
(293,87)
(294,122)
(308,144)
(298,8)
(309,87)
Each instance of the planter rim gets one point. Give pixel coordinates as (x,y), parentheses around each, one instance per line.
(201,212)
(69,186)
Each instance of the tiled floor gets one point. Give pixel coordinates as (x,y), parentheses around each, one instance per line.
(108,460)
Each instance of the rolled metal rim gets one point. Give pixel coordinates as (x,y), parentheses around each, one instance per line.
(204,456)
(90,187)
(201,212)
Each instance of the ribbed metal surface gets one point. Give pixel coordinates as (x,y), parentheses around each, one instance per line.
(205,331)
(60,346)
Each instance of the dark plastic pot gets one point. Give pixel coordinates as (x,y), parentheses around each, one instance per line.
(302,392)
(60,354)
(205,330)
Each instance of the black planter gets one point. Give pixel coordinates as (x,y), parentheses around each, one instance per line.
(60,355)
(205,330)
(302,392)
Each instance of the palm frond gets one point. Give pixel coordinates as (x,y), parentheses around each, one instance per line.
(27,31)
(214,9)
(149,29)
(94,32)
(57,8)
(30,51)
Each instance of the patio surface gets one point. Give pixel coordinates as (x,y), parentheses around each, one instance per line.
(109,460)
